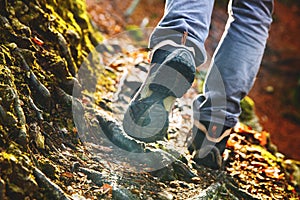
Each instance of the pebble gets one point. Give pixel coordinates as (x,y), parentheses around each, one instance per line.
(269,89)
(174,184)
(164,195)
(196,179)
(135,191)
(70,189)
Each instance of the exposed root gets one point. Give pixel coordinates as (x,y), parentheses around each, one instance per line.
(66,53)
(63,98)
(21,138)
(33,80)
(55,191)
(112,129)
(168,166)
(39,112)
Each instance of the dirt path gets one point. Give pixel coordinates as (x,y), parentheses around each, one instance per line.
(274,90)
(247,153)
(59,138)
(279,71)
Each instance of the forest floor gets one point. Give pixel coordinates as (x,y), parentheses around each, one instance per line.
(278,74)
(251,168)
(274,90)
(60,131)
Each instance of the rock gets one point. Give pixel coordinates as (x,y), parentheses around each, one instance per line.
(174,184)
(123,194)
(269,89)
(2,189)
(164,195)
(248,115)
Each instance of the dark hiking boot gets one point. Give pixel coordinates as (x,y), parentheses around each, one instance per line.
(171,74)
(208,143)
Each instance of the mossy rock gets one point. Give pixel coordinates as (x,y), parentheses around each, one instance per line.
(248,115)
(42,47)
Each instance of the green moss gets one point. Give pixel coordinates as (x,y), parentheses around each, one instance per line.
(48,168)
(16,171)
(248,115)
(247,105)
(32,29)
(268,156)
(5,56)
(135,32)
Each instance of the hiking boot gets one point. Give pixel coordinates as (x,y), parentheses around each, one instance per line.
(208,143)
(171,74)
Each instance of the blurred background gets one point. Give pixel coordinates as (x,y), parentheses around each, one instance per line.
(276,92)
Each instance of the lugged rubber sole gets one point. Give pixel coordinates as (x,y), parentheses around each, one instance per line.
(175,75)
(146,118)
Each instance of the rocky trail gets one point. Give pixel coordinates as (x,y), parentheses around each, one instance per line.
(63,92)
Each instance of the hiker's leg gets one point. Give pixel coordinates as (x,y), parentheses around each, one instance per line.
(231,76)
(191,16)
(178,46)
(236,61)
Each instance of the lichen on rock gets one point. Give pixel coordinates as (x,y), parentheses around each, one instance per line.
(43,44)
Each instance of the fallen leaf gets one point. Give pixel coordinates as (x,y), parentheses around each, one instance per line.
(37,41)
(259,164)
(67,174)
(106,188)
(273,172)
(262,137)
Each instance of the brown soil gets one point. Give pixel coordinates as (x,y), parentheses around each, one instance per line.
(278,76)
(280,69)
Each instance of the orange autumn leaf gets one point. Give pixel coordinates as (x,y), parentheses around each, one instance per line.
(231,143)
(262,137)
(106,188)
(273,173)
(67,174)
(37,41)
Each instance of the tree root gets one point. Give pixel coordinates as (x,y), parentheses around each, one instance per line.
(63,98)
(3,115)
(66,53)
(55,191)
(2,189)
(224,187)
(22,136)
(39,112)
(229,183)
(162,163)
(33,80)
(112,129)
(99,179)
